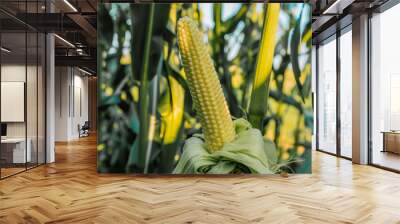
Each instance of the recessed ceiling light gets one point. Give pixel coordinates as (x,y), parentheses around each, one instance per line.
(70,5)
(328,10)
(337,7)
(5,50)
(65,41)
(84,71)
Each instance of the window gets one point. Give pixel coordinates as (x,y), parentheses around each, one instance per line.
(385,89)
(327,97)
(346,94)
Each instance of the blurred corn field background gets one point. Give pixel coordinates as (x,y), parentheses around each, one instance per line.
(145,108)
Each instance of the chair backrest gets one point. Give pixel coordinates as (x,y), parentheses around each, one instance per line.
(86,125)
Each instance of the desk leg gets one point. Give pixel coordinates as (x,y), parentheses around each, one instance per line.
(384,143)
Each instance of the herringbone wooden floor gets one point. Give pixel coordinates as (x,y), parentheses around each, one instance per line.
(70,191)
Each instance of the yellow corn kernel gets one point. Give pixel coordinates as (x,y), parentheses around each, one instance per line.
(205,88)
(126,59)
(300,150)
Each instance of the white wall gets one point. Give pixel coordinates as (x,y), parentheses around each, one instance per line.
(34,126)
(62,81)
(17,73)
(71,102)
(80,110)
(12,73)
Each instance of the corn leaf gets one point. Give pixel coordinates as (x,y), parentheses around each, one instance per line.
(260,91)
(171,110)
(105,24)
(295,42)
(133,157)
(144,97)
(139,18)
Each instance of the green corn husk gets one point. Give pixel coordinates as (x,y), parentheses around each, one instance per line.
(248,153)
(205,88)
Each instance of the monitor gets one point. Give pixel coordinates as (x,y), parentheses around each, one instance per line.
(3,129)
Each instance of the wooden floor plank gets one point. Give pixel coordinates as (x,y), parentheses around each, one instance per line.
(71,191)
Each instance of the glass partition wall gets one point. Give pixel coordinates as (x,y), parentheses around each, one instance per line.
(22,77)
(334,93)
(13,110)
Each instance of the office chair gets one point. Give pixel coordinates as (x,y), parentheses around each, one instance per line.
(84,130)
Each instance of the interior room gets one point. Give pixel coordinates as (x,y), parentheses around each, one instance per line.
(65,72)
(72,106)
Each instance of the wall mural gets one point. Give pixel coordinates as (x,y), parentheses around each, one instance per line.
(203,88)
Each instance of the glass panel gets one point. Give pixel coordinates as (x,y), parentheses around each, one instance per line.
(23,89)
(41,99)
(346,94)
(385,84)
(32,96)
(13,86)
(327,97)
(32,87)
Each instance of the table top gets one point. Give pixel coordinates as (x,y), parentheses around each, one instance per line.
(391,132)
(13,140)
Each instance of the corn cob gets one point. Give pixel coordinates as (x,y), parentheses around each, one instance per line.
(205,88)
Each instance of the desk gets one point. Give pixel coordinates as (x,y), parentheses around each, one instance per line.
(16,147)
(391,141)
